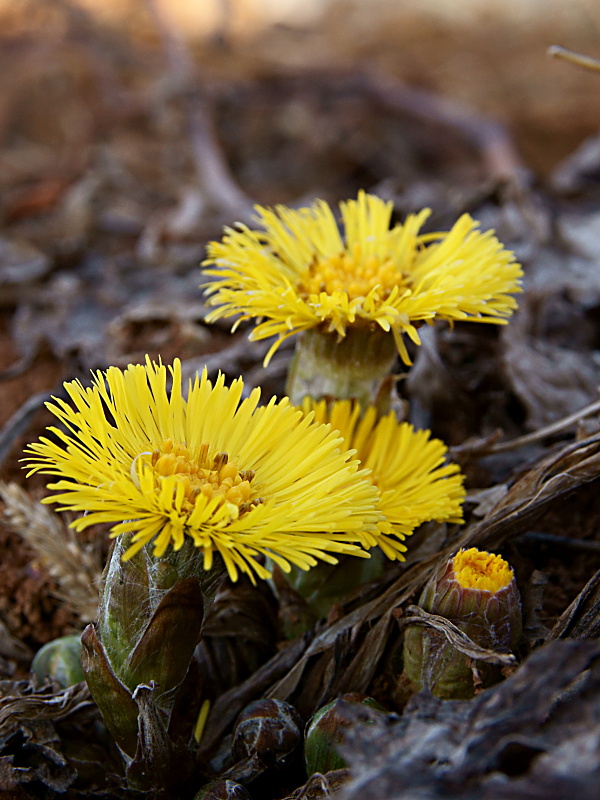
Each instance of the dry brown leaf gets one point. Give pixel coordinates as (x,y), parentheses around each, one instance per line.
(581,620)
(533,736)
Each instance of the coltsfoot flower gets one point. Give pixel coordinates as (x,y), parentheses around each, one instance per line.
(238,479)
(301,273)
(476,591)
(407,466)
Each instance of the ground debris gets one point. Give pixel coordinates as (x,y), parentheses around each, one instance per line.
(30,747)
(535,736)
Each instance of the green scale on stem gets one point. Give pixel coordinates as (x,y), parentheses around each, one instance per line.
(138,599)
(136,658)
(355,367)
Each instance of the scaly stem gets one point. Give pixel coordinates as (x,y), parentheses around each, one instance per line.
(356,367)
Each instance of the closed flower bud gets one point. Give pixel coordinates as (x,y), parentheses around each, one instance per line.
(60,659)
(325,732)
(477,592)
(268,730)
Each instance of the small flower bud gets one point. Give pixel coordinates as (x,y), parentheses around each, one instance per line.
(60,659)
(477,592)
(325,732)
(268,730)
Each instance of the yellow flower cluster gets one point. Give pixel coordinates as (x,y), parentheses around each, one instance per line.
(239,479)
(292,485)
(299,272)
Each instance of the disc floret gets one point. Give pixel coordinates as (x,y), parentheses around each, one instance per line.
(212,477)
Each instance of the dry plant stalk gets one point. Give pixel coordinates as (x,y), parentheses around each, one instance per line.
(580,60)
(76,568)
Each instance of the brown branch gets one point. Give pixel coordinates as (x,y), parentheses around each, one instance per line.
(587,62)
(19,422)
(484,448)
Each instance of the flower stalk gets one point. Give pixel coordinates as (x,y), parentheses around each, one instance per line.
(150,619)
(356,367)
(325,585)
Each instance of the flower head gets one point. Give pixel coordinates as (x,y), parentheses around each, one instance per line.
(237,478)
(300,272)
(469,586)
(407,466)
(477,569)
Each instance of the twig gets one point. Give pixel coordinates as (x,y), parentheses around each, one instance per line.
(530,438)
(589,545)
(18,423)
(21,365)
(587,62)
(490,138)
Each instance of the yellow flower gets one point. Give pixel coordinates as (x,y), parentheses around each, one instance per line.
(407,466)
(477,592)
(300,273)
(477,569)
(238,479)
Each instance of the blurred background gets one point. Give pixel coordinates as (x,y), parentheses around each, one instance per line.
(486,53)
(132,131)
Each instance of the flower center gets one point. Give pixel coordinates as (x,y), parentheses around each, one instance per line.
(476,569)
(213,477)
(352,273)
